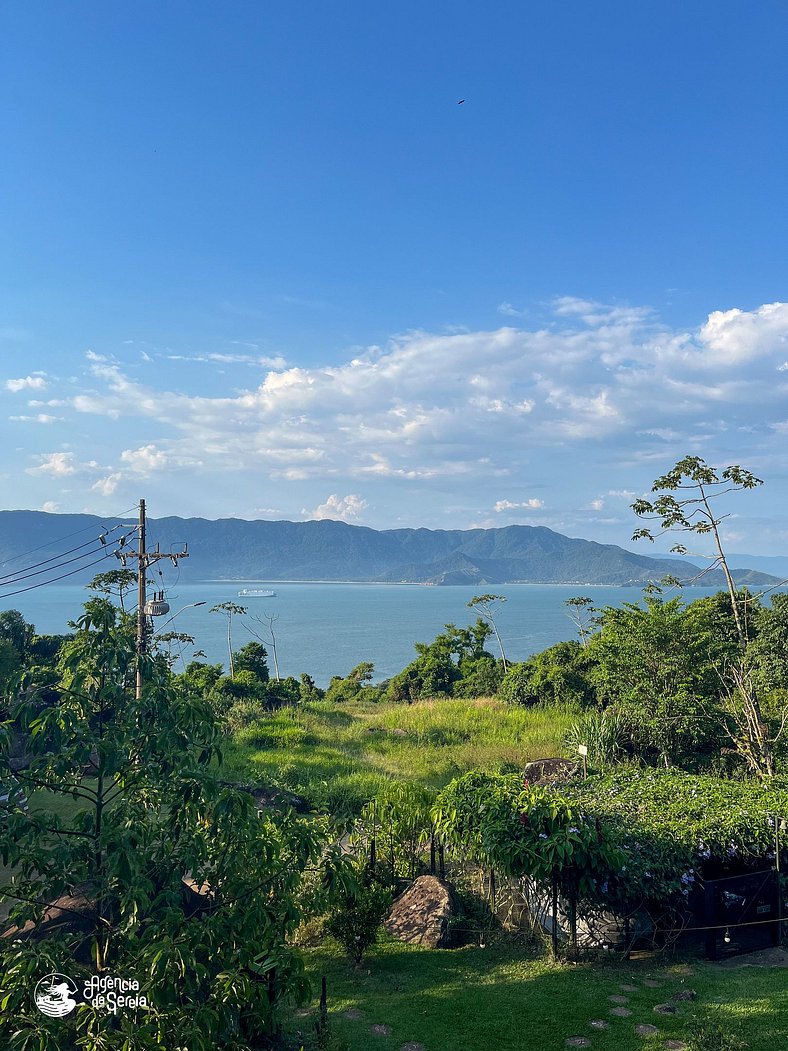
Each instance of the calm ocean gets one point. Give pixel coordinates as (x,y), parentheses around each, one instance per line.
(326,629)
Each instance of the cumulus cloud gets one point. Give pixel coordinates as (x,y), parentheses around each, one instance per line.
(344,508)
(61,465)
(106,486)
(430,408)
(35,382)
(525,505)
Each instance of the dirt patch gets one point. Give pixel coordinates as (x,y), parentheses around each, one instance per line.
(774,957)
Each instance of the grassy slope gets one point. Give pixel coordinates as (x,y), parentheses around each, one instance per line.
(502,997)
(338,755)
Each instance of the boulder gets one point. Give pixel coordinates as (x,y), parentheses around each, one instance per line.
(548,771)
(421,914)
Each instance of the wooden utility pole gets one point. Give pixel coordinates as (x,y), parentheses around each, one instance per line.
(145,559)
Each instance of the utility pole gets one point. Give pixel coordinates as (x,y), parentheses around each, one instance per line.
(145,559)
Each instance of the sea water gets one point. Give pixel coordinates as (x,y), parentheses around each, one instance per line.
(327,629)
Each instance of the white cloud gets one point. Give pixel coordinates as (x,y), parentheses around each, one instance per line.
(61,465)
(50,506)
(35,382)
(735,337)
(145,459)
(525,505)
(343,508)
(58,465)
(508,310)
(429,408)
(41,417)
(107,486)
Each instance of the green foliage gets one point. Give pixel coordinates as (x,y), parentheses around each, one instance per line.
(307,691)
(356,914)
(438,668)
(252,658)
(604,735)
(399,820)
(15,629)
(557,675)
(352,686)
(653,664)
(669,823)
(191,892)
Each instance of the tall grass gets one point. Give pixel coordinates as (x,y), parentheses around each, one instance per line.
(338,756)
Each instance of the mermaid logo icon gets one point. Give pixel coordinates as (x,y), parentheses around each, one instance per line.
(54,995)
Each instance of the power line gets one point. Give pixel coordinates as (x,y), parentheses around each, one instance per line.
(63,576)
(62,539)
(25,575)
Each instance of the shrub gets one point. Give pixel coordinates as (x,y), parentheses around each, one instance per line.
(356,915)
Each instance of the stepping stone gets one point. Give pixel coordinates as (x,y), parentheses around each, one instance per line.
(598,1023)
(412,1046)
(675,1045)
(618,999)
(646,1030)
(578,1041)
(651,984)
(380,1030)
(683,969)
(665,1009)
(353,1014)
(620,1012)
(629,988)
(685,995)
(303,1012)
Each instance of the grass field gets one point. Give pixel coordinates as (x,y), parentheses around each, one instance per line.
(338,755)
(507,998)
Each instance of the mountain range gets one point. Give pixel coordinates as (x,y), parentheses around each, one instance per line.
(35,547)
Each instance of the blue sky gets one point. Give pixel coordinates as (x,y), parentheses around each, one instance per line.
(257,261)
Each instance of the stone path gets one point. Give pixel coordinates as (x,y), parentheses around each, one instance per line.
(645,1029)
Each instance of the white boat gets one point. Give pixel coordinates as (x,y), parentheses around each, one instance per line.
(256,593)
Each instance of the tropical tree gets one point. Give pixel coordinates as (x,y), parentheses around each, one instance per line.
(693,510)
(229,610)
(487,608)
(162,874)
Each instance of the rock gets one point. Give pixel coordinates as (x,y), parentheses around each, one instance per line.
(599,1023)
(380,1030)
(665,1009)
(577,1041)
(420,915)
(546,771)
(685,995)
(353,1014)
(620,1012)
(400,732)
(629,988)
(675,1045)
(646,1030)
(651,984)
(412,1046)
(618,999)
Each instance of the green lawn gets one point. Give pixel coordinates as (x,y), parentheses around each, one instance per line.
(506,998)
(339,755)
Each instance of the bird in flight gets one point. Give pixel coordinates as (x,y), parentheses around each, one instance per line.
(460,102)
